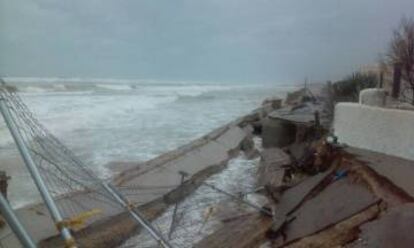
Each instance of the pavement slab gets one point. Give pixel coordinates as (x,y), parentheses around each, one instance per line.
(271,171)
(248,231)
(397,170)
(393,229)
(293,197)
(339,201)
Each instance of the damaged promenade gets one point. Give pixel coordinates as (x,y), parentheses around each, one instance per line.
(277,177)
(323,193)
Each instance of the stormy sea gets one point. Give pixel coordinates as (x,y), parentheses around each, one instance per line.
(104,121)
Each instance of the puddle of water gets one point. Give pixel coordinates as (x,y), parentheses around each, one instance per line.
(202,213)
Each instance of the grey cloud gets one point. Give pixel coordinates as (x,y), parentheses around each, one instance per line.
(221,40)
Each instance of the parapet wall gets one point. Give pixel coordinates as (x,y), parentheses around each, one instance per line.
(389,131)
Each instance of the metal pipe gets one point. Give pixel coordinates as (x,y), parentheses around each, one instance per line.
(136,215)
(15,224)
(34,172)
(174,216)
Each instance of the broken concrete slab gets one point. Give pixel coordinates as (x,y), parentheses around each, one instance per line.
(245,232)
(275,157)
(213,152)
(37,215)
(271,171)
(393,229)
(295,118)
(300,114)
(272,177)
(164,158)
(113,231)
(298,150)
(277,133)
(284,126)
(339,234)
(153,179)
(293,197)
(339,201)
(398,171)
(231,138)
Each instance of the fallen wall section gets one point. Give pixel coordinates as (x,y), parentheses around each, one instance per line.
(158,183)
(388,131)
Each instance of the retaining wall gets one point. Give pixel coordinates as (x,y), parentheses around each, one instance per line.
(388,131)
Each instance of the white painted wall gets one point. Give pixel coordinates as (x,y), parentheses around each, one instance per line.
(373,97)
(389,131)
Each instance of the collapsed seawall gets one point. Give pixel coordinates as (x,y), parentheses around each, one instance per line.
(200,159)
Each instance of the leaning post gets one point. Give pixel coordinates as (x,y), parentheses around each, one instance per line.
(15,224)
(34,172)
(136,215)
(174,216)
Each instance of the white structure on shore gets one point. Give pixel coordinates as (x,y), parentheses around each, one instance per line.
(371,124)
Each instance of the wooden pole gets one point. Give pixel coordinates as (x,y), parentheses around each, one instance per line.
(396,84)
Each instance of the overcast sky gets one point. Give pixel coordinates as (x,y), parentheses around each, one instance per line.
(205,40)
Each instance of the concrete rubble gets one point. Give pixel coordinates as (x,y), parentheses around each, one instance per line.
(203,158)
(271,171)
(323,194)
(327,208)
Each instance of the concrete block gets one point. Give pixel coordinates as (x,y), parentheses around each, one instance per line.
(213,151)
(277,133)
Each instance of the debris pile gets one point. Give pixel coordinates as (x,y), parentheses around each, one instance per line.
(322,194)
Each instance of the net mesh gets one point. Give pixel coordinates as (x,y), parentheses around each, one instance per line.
(81,196)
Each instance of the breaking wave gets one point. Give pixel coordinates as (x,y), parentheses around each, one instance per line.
(104,120)
(114,87)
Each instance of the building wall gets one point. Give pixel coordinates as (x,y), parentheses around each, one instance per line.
(389,131)
(387,76)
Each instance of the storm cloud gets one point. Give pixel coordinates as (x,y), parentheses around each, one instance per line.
(205,40)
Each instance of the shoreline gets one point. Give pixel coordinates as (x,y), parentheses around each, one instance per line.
(228,138)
